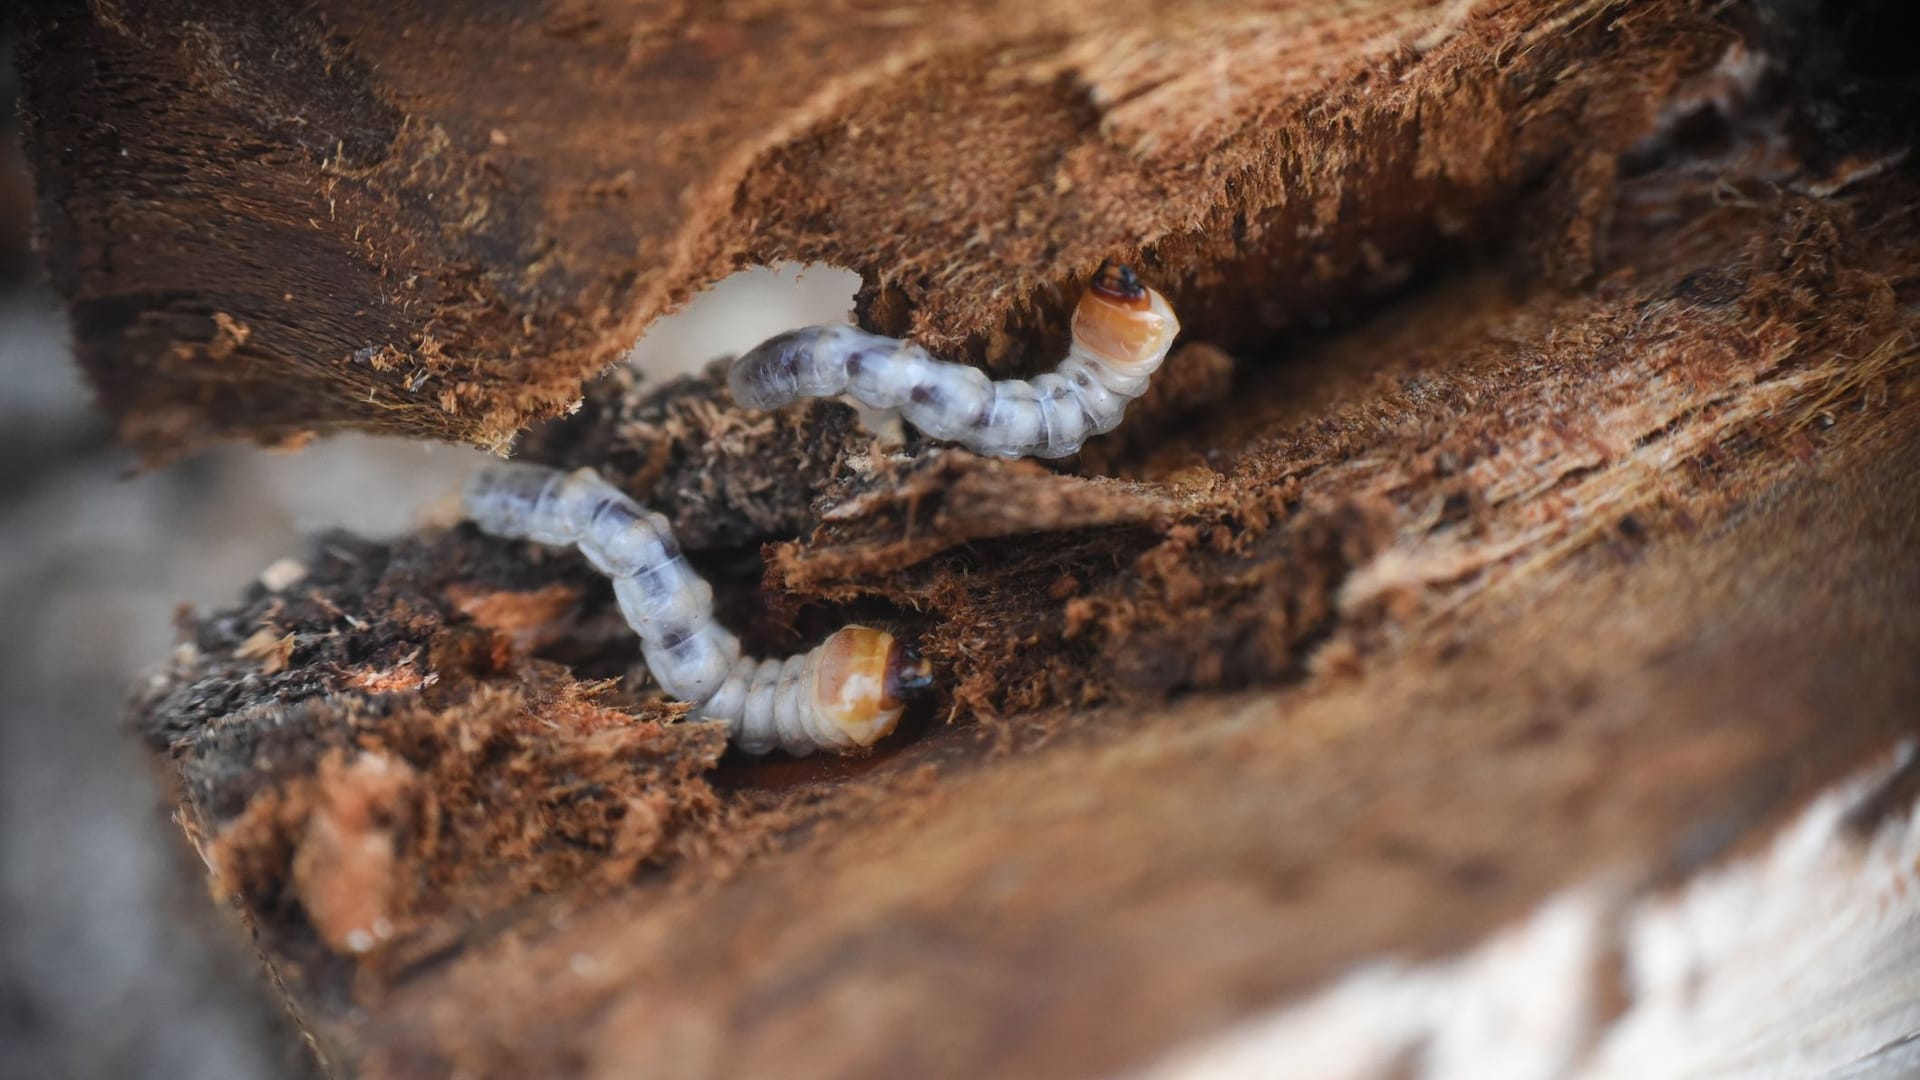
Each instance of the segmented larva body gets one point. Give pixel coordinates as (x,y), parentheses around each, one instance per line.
(1121,333)
(845,693)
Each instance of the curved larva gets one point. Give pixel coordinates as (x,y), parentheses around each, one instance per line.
(1121,333)
(845,693)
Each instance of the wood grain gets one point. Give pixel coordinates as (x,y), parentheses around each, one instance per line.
(1537,507)
(268,221)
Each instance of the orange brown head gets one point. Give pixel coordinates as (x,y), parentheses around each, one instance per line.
(1122,323)
(862,681)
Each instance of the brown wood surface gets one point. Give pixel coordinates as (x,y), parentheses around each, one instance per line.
(1529,586)
(1592,551)
(269,220)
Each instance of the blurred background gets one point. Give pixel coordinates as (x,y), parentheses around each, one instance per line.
(113,963)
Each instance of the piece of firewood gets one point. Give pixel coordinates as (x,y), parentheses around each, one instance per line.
(1537,592)
(1378,701)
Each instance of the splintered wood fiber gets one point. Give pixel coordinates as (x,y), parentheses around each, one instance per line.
(1505,587)
(1530,500)
(271,220)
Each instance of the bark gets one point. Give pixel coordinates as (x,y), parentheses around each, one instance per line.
(1590,556)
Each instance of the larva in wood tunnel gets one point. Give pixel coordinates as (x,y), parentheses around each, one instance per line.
(844,694)
(1121,333)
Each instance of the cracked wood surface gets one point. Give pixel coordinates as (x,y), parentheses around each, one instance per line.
(270,220)
(1506,590)
(1592,553)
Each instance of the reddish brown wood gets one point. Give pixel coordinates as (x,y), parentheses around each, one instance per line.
(1592,553)
(272,220)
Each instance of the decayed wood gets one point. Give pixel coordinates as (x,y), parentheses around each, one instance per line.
(1519,585)
(1593,558)
(270,220)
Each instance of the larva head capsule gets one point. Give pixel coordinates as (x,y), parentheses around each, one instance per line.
(862,680)
(1122,324)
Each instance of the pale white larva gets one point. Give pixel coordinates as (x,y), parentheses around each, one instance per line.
(1121,333)
(845,693)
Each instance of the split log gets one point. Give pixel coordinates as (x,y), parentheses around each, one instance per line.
(1506,620)
(1529,591)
